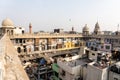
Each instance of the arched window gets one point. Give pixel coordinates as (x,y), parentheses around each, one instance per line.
(23,31)
(19,50)
(8,32)
(11,32)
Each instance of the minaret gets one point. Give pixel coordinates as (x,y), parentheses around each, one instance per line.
(30,28)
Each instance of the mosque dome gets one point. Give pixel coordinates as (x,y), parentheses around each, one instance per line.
(97,27)
(85,28)
(7,23)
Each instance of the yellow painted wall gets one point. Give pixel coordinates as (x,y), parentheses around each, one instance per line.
(69,44)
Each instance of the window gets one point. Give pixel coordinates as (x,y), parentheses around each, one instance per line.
(23,31)
(23,41)
(19,50)
(102,47)
(107,47)
(24,47)
(11,32)
(93,54)
(20,40)
(96,49)
(16,40)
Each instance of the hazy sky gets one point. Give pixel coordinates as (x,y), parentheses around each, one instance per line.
(49,14)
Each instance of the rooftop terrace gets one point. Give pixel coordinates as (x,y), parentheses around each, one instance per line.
(77,62)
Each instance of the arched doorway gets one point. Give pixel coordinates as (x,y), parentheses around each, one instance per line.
(8,32)
(11,32)
(19,50)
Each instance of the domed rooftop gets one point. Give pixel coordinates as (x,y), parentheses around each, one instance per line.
(97,27)
(85,28)
(7,23)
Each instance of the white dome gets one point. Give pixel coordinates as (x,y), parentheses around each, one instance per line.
(85,28)
(97,27)
(7,23)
